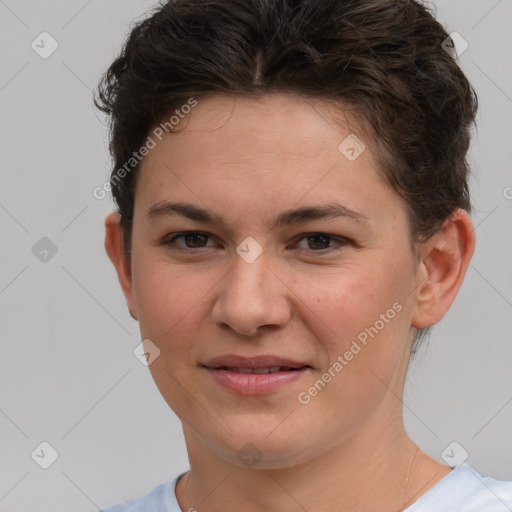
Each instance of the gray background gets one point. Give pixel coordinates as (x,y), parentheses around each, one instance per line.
(67,372)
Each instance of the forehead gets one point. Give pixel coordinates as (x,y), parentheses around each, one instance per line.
(278,150)
(270,132)
(276,120)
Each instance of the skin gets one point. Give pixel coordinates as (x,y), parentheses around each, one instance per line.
(249,160)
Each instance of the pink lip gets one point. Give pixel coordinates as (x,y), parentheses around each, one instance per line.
(251,383)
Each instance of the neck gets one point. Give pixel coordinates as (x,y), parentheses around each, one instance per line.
(371,470)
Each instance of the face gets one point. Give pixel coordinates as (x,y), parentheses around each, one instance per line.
(321,298)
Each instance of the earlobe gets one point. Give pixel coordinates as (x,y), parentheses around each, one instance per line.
(114,246)
(445,260)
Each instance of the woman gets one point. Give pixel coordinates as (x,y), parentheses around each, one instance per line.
(293,216)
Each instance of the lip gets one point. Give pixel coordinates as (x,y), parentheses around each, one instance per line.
(251,383)
(263,361)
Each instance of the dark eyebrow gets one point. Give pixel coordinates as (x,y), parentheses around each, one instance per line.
(290,217)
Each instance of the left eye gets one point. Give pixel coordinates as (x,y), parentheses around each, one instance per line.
(196,240)
(315,240)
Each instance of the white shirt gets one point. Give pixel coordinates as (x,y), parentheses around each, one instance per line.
(462,490)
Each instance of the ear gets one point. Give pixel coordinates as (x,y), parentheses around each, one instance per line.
(114,245)
(444,260)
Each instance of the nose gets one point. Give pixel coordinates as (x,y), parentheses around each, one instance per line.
(252,296)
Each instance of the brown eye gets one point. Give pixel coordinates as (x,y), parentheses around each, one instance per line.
(195,239)
(192,239)
(321,241)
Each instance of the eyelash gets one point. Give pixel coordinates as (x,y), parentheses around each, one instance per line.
(182,234)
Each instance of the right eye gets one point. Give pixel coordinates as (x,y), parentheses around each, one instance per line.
(192,239)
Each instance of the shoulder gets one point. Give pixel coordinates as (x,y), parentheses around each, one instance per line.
(465,490)
(161,498)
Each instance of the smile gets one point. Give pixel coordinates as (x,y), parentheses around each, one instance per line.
(256,381)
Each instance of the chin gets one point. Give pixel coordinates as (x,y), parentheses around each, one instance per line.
(262,447)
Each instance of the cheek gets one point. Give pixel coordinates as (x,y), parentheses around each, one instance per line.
(348,300)
(360,322)
(171,304)
(166,296)
(359,314)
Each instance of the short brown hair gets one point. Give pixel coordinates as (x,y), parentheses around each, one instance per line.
(384,58)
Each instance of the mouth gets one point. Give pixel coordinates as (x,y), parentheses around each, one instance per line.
(262,362)
(259,371)
(260,375)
